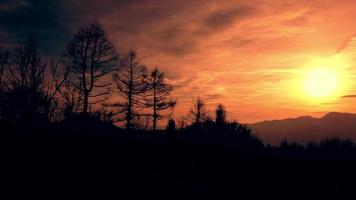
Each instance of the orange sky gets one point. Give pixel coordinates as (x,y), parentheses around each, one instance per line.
(244,54)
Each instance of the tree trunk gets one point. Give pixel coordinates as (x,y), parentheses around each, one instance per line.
(154,104)
(86,103)
(129,109)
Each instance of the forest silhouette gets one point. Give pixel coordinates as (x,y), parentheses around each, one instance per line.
(91,124)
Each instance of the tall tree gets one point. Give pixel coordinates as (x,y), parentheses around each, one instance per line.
(90,56)
(198,112)
(158,96)
(131,85)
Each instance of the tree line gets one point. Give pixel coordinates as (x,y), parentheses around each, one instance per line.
(89,78)
(35,89)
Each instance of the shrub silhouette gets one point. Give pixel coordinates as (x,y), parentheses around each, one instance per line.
(171,126)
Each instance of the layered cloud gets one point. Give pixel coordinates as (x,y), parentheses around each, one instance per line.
(241,53)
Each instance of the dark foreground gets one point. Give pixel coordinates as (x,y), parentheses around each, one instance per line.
(110,163)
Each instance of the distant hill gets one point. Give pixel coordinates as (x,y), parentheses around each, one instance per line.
(306,128)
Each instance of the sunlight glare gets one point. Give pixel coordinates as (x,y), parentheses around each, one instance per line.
(321,82)
(324,79)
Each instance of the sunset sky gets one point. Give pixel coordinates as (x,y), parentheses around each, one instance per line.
(258,57)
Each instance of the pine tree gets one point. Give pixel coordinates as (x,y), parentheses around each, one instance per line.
(131,85)
(158,96)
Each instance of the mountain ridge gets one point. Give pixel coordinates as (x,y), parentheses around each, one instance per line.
(306,128)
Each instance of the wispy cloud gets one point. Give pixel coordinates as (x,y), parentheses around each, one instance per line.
(241,53)
(349,96)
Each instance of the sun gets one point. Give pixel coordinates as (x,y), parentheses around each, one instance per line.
(321,82)
(324,79)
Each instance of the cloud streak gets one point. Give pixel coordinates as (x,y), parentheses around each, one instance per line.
(349,96)
(241,53)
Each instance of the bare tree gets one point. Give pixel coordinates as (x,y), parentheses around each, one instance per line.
(26,97)
(158,96)
(56,77)
(198,113)
(181,122)
(28,66)
(73,98)
(4,61)
(131,85)
(90,56)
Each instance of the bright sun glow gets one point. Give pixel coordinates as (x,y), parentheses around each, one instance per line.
(321,82)
(324,79)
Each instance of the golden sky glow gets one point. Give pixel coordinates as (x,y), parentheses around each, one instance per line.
(262,59)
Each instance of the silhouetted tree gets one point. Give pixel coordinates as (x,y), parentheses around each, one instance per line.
(32,83)
(104,115)
(141,122)
(131,85)
(27,97)
(28,66)
(72,96)
(4,61)
(198,113)
(181,122)
(158,94)
(220,115)
(236,128)
(90,56)
(171,125)
(56,77)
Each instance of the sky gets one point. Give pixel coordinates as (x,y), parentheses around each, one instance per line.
(253,56)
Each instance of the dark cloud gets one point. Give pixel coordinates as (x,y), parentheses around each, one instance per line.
(164,26)
(349,96)
(51,22)
(138,23)
(224,18)
(9,5)
(297,21)
(213,96)
(180,39)
(45,20)
(237,42)
(174,40)
(181,49)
